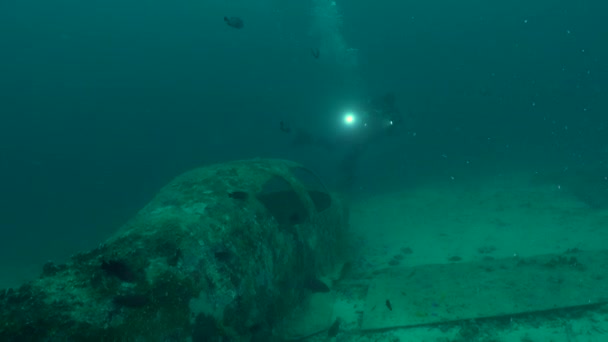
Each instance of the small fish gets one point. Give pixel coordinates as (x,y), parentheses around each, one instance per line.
(388,305)
(119,269)
(235,22)
(238,195)
(285,127)
(315,285)
(315,52)
(334,329)
(131,300)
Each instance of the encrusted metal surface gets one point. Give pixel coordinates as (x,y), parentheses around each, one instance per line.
(221,253)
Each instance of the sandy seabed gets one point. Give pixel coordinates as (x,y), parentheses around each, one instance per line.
(443,223)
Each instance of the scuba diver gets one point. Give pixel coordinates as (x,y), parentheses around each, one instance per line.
(377,120)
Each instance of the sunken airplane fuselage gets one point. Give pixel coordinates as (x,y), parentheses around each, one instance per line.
(235,22)
(224,252)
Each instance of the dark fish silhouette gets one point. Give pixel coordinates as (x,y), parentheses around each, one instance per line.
(334,329)
(315,285)
(235,22)
(285,127)
(315,52)
(238,195)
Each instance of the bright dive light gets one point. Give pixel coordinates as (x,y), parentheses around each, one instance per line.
(349,118)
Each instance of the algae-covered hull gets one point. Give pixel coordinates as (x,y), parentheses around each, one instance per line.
(221,253)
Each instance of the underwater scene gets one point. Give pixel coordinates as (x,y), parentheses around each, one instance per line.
(312,170)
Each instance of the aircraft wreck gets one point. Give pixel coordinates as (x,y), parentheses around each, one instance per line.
(221,253)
